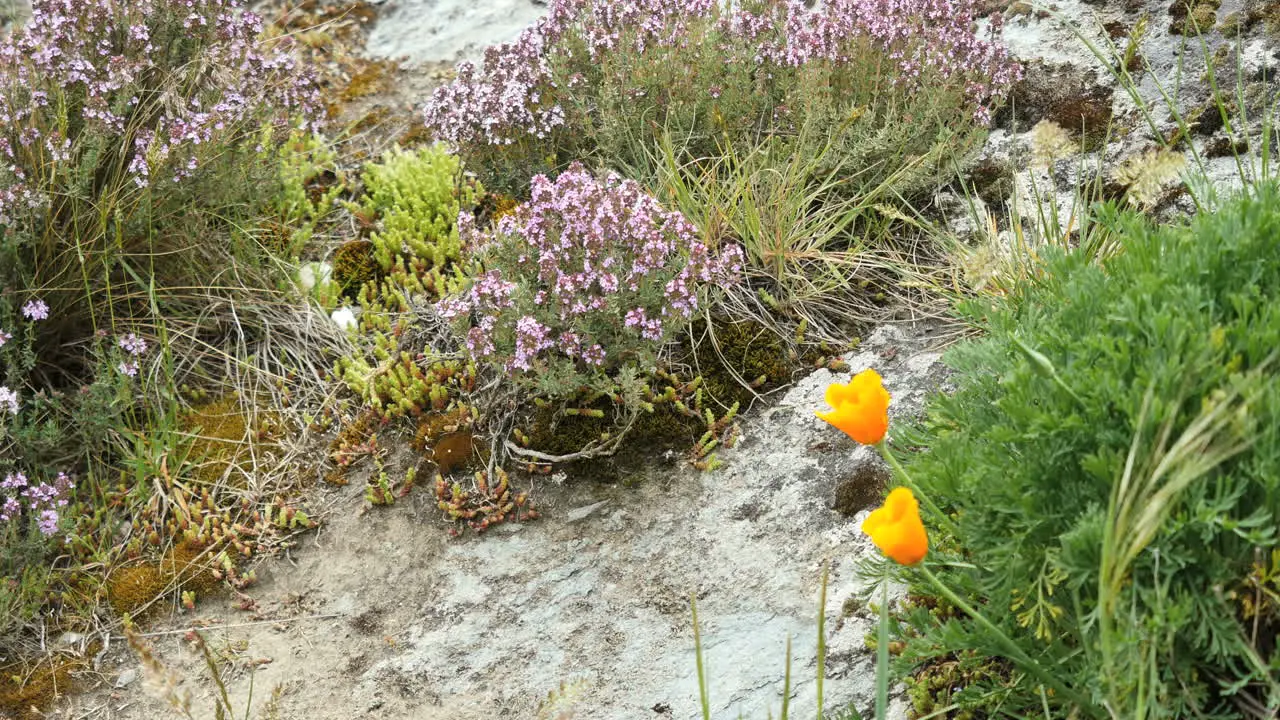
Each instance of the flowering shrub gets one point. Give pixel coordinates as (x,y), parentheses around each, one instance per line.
(586,277)
(135,140)
(32,428)
(597,78)
(39,502)
(44,436)
(118,122)
(163,77)
(36,502)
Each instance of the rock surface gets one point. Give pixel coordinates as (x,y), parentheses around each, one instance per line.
(407,623)
(447,30)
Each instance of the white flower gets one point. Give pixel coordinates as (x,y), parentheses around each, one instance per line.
(344,317)
(313,274)
(9,398)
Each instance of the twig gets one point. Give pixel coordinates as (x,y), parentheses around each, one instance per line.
(91,713)
(183,631)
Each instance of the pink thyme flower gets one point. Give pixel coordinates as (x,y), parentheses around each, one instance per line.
(48,522)
(128,368)
(133,344)
(35,310)
(587,264)
(4,338)
(9,398)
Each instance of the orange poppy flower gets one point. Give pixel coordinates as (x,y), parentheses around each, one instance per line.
(860,407)
(896,529)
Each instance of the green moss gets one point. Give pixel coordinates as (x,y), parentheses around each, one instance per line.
(992,181)
(1086,113)
(370,76)
(748,349)
(493,206)
(664,427)
(417,134)
(1064,95)
(752,351)
(932,687)
(861,489)
(184,567)
(438,424)
(1206,120)
(556,434)
(1188,18)
(1205,17)
(453,451)
(354,265)
(1267,13)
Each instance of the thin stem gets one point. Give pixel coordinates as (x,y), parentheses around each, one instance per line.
(822,635)
(786,683)
(882,655)
(702,671)
(943,520)
(1015,653)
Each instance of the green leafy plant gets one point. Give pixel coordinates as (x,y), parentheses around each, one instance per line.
(416,196)
(1109,461)
(412,200)
(310,185)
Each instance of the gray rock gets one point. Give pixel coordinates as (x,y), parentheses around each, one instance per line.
(126,678)
(577,514)
(447,30)
(609,605)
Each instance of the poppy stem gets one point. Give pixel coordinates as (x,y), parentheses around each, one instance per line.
(943,519)
(882,654)
(1012,650)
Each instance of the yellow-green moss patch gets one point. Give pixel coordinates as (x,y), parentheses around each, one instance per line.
(222,434)
(184,567)
(27,692)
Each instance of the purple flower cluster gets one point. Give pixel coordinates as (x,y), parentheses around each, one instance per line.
(484,106)
(133,344)
(136,347)
(36,310)
(588,268)
(40,501)
(515,95)
(162,78)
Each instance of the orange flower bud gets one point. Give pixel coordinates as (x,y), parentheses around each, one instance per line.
(860,407)
(896,529)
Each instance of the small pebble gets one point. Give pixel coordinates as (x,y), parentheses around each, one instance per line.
(126,678)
